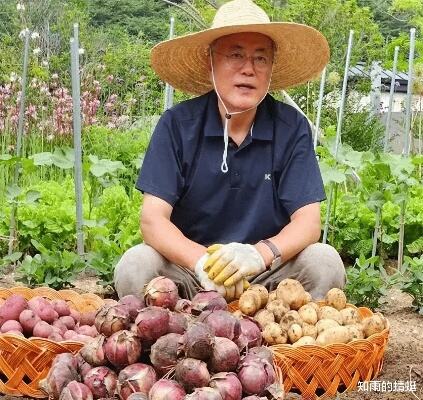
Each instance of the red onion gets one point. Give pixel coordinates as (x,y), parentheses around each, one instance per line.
(58,377)
(122,348)
(136,378)
(166,389)
(198,341)
(225,355)
(101,381)
(67,359)
(137,396)
(178,322)
(254,397)
(204,393)
(208,300)
(161,292)
(152,322)
(228,385)
(222,323)
(183,305)
(164,352)
(260,352)
(76,391)
(192,373)
(83,366)
(250,334)
(134,305)
(256,375)
(110,319)
(93,352)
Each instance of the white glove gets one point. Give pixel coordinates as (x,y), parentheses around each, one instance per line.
(232,262)
(229,293)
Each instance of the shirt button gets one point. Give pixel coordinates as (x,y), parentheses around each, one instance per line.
(236,173)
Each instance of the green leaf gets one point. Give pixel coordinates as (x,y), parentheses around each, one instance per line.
(32,196)
(42,158)
(416,247)
(102,167)
(13,191)
(330,174)
(63,158)
(5,157)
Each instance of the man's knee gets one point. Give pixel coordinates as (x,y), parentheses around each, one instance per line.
(137,266)
(323,268)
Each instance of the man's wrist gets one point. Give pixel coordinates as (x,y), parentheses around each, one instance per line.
(265,252)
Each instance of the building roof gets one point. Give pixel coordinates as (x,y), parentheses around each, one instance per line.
(361,70)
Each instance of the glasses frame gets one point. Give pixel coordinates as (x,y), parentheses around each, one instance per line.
(257,67)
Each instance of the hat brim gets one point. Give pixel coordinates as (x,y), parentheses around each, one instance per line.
(302,53)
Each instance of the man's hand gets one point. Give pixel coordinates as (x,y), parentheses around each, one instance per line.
(229,293)
(232,262)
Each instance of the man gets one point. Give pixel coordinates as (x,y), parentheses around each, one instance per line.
(218,213)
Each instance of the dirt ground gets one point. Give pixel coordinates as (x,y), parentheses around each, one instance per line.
(403,359)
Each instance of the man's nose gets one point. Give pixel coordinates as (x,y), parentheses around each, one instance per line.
(248,65)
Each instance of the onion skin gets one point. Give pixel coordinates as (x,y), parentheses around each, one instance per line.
(133,304)
(178,322)
(166,389)
(76,391)
(93,352)
(198,341)
(183,305)
(208,300)
(161,292)
(225,356)
(59,376)
(192,373)
(262,352)
(164,352)
(152,322)
(137,396)
(204,393)
(102,382)
(250,335)
(110,319)
(123,348)
(255,375)
(222,323)
(228,385)
(137,377)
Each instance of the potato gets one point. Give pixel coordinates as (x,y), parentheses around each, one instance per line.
(308,314)
(76,315)
(61,326)
(61,307)
(385,321)
(68,321)
(43,309)
(292,293)
(304,341)
(349,316)
(11,325)
(338,334)
(295,332)
(327,312)
(12,307)
(28,319)
(42,329)
(309,330)
(324,324)
(372,325)
(264,317)
(355,331)
(274,334)
(278,308)
(87,318)
(314,305)
(291,317)
(249,302)
(272,296)
(336,298)
(87,330)
(264,294)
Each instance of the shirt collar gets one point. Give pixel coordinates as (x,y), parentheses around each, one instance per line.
(263,125)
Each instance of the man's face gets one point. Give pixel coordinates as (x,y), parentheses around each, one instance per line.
(242,64)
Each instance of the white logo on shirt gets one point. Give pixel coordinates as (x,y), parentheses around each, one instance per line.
(267,177)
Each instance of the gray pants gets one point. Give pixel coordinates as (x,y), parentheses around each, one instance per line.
(318,267)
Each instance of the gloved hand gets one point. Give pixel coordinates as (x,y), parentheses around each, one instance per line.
(230,263)
(229,293)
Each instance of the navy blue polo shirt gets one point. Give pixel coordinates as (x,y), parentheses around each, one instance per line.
(271,174)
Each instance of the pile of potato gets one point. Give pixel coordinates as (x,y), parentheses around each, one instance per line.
(288,315)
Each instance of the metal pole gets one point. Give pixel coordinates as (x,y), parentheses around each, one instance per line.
(21,126)
(76,100)
(338,130)
(406,149)
(391,99)
(407,133)
(168,100)
(319,107)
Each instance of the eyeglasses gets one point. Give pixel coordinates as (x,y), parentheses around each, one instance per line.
(237,60)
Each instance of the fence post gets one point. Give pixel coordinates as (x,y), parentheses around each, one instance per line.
(168,100)
(319,107)
(391,99)
(21,126)
(76,100)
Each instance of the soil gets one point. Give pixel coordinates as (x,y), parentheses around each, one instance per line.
(403,358)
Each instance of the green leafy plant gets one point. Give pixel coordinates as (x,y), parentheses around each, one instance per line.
(51,268)
(366,284)
(411,281)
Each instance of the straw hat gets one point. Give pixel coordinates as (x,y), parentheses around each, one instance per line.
(301,51)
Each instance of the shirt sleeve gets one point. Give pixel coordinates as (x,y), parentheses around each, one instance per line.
(161,171)
(301,182)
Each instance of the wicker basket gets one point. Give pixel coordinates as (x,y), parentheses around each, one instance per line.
(319,372)
(24,362)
